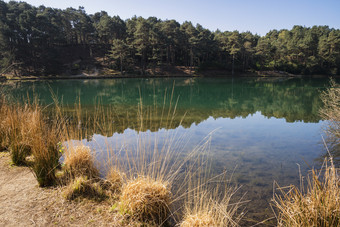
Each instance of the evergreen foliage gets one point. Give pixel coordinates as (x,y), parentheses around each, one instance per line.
(43,40)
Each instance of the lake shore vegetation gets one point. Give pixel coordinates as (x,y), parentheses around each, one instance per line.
(331,113)
(144,186)
(43,41)
(317,204)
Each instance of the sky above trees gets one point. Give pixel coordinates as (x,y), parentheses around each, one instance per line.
(258,16)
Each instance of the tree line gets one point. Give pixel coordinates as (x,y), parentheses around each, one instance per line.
(43,40)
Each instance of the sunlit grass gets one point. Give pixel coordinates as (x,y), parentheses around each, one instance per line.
(146,200)
(79,161)
(316,205)
(83,187)
(331,113)
(150,180)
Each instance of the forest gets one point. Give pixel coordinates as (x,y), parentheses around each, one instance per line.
(48,41)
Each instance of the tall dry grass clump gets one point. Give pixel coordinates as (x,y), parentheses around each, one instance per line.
(24,131)
(79,161)
(18,125)
(212,206)
(4,111)
(146,200)
(46,153)
(317,205)
(331,113)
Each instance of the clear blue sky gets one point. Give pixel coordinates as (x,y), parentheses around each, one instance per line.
(257,16)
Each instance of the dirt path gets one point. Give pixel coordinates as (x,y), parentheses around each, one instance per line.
(20,196)
(23,203)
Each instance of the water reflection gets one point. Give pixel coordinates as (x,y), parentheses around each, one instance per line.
(264,127)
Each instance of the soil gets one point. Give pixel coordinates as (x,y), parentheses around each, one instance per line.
(24,203)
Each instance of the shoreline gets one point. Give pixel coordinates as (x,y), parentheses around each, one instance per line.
(206,74)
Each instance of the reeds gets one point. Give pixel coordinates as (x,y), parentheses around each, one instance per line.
(317,205)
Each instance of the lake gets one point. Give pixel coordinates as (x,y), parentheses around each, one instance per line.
(260,130)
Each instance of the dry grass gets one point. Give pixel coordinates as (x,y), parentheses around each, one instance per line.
(3,123)
(79,161)
(206,207)
(317,205)
(82,187)
(18,125)
(200,219)
(46,153)
(331,113)
(146,200)
(113,181)
(24,131)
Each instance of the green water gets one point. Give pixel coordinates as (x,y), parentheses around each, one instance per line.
(263,130)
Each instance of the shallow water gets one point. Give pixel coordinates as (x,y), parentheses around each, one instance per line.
(262,130)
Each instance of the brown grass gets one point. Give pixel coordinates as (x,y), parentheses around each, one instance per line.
(4,143)
(331,113)
(200,219)
(18,125)
(82,187)
(46,153)
(24,130)
(113,181)
(146,200)
(79,161)
(317,205)
(212,208)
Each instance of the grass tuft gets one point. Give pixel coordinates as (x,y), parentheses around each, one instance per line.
(331,113)
(19,152)
(46,154)
(19,126)
(210,208)
(82,187)
(146,200)
(114,181)
(79,161)
(25,131)
(200,219)
(318,206)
